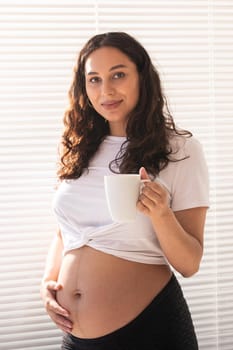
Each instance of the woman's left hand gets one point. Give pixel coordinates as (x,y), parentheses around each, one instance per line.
(154,198)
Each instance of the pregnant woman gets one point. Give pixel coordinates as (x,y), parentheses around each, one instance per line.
(110,285)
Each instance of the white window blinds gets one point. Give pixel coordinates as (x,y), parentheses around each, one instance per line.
(191,44)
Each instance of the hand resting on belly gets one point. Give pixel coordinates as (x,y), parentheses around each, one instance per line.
(102,292)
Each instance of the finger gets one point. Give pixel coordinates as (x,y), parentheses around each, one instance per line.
(155,192)
(155,186)
(64,329)
(53,285)
(52,305)
(162,189)
(151,194)
(141,207)
(63,323)
(143,174)
(162,184)
(147,202)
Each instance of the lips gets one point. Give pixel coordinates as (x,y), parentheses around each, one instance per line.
(109,105)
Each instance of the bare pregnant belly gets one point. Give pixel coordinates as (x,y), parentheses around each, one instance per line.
(103,292)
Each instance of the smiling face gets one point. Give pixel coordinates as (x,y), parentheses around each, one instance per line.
(112,86)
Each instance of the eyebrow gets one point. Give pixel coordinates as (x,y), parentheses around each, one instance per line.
(111,69)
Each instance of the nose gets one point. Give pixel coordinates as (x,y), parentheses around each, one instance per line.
(107,88)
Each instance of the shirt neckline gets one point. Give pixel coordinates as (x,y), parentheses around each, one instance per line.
(115,139)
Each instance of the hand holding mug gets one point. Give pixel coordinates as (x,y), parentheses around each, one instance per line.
(154,197)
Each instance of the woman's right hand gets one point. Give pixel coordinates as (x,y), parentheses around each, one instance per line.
(58,314)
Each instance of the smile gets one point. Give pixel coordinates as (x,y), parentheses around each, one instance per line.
(109,105)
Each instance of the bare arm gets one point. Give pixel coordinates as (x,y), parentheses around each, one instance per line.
(49,286)
(54,258)
(180,234)
(181,237)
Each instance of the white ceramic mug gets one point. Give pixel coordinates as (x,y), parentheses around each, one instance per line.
(122,192)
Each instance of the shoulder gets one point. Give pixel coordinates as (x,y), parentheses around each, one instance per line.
(186,175)
(185,147)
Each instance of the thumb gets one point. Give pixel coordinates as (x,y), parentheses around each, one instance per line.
(143,174)
(53,286)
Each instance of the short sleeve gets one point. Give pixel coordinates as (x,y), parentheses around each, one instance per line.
(188,179)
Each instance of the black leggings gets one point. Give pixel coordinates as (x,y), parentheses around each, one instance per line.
(165,324)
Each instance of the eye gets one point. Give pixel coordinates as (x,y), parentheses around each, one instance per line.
(94,80)
(119,75)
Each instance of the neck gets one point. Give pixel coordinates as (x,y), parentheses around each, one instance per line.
(117,130)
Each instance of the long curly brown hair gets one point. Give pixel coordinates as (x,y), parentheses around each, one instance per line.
(149,128)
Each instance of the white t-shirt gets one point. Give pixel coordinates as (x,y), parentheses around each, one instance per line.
(82,213)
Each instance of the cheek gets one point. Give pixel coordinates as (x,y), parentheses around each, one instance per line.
(135,88)
(91,94)
(134,94)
